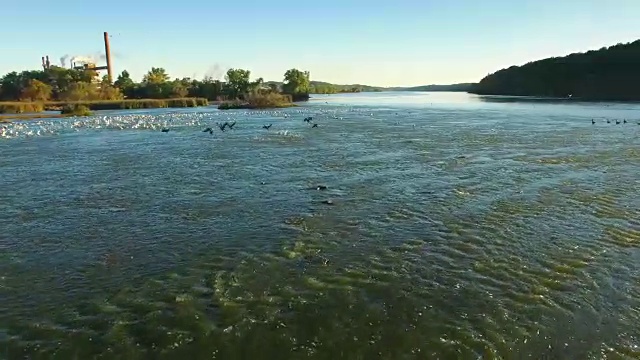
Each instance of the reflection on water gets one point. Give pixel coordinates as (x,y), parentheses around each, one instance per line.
(456,228)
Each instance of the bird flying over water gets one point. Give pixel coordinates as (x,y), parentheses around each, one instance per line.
(308,119)
(314,125)
(223,126)
(266,127)
(231,125)
(209,130)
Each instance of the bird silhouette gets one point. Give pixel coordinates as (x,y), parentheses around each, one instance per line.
(231,125)
(223,126)
(209,130)
(593,121)
(608,121)
(617,122)
(625,121)
(266,127)
(308,119)
(314,125)
(165,130)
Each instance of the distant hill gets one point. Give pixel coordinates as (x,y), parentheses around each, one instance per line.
(453,87)
(321,87)
(611,73)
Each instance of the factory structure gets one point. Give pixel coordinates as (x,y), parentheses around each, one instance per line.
(80,63)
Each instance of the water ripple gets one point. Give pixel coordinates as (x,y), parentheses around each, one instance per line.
(448,228)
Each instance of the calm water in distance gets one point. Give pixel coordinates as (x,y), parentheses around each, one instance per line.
(452,227)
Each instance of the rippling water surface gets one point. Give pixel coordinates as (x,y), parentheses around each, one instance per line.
(452,226)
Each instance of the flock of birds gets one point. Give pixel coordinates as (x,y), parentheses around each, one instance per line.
(226,125)
(624,121)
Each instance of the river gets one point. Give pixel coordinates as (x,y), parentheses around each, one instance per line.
(451,226)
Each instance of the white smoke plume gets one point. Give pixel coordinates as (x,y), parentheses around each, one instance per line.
(81,59)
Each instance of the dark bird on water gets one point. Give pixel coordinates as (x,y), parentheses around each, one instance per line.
(266,127)
(617,122)
(625,121)
(593,121)
(231,125)
(608,121)
(314,125)
(308,119)
(165,130)
(223,126)
(209,130)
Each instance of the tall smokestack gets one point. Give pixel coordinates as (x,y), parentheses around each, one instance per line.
(44,64)
(107,54)
(48,63)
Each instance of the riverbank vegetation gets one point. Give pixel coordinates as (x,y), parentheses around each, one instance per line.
(23,107)
(75,110)
(611,73)
(54,88)
(258,101)
(257,95)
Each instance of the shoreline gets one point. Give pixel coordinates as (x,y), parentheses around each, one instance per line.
(20,107)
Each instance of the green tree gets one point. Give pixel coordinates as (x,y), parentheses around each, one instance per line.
(36,90)
(108,91)
(156,76)
(80,91)
(124,81)
(179,89)
(255,86)
(208,88)
(237,82)
(12,85)
(296,82)
(61,78)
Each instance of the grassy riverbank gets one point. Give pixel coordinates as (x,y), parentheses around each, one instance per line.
(259,101)
(20,107)
(7,118)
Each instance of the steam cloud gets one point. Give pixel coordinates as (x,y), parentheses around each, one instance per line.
(83,59)
(63,60)
(216,72)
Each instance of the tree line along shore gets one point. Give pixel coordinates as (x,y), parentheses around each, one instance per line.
(608,74)
(76,92)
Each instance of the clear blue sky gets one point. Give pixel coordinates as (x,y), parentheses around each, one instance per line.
(401,42)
